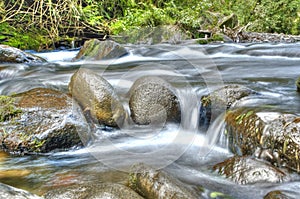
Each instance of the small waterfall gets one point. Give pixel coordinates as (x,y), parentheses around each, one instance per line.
(216,134)
(189,102)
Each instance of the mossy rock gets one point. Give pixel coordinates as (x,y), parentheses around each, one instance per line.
(153,35)
(97,98)
(269,135)
(96,50)
(13,55)
(220,100)
(248,170)
(104,190)
(298,84)
(153,101)
(151,183)
(45,121)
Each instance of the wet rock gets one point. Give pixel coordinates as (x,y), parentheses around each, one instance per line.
(43,120)
(298,84)
(150,183)
(153,101)
(13,55)
(97,98)
(105,190)
(247,170)
(276,195)
(272,136)
(9,192)
(220,100)
(96,50)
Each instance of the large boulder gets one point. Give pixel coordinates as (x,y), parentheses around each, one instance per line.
(220,100)
(171,34)
(9,192)
(96,50)
(151,183)
(13,55)
(269,135)
(298,84)
(247,170)
(105,190)
(153,100)
(97,98)
(39,120)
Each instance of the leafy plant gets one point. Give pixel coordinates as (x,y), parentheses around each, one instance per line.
(53,20)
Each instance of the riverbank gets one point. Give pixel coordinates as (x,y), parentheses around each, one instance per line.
(65,24)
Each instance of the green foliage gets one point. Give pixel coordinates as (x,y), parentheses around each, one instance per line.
(57,18)
(8,109)
(133,18)
(281,16)
(16,37)
(264,15)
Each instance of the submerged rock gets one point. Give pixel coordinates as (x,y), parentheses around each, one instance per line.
(42,120)
(96,50)
(9,192)
(272,136)
(150,183)
(276,195)
(247,170)
(13,55)
(298,84)
(97,98)
(105,190)
(153,100)
(220,100)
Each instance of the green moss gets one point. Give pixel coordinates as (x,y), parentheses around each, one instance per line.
(217,37)
(37,144)
(132,182)
(214,38)
(16,37)
(219,195)
(202,41)
(149,16)
(205,100)
(8,109)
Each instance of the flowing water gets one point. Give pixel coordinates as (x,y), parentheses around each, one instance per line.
(182,150)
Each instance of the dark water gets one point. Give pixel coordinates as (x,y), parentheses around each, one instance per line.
(182,150)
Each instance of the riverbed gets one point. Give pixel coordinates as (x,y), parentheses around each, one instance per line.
(184,150)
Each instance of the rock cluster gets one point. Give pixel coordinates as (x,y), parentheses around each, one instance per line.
(264,142)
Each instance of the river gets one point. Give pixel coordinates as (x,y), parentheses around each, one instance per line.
(182,150)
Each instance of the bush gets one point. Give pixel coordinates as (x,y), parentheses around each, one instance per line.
(60,18)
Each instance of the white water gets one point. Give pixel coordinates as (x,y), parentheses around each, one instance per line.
(185,151)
